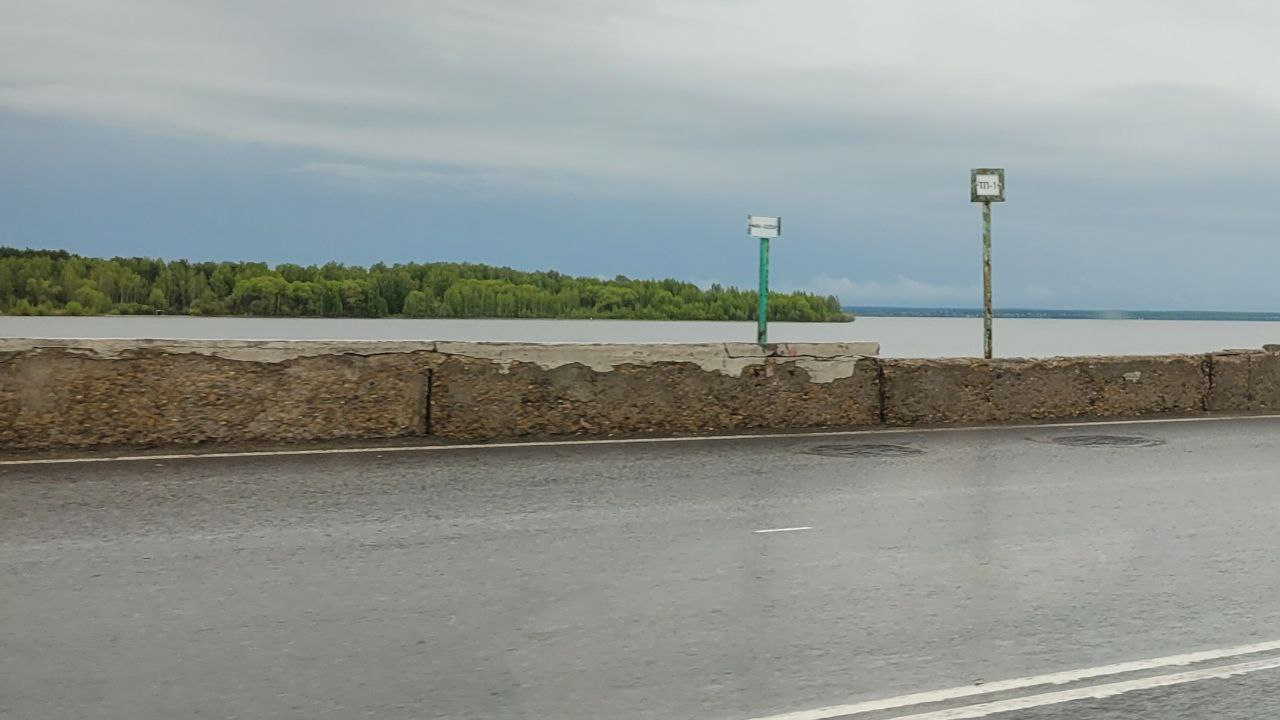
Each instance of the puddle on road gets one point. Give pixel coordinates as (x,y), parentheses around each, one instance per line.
(1111,441)
(864,450)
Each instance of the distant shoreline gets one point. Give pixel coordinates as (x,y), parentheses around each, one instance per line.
(56,282)
(1228,315)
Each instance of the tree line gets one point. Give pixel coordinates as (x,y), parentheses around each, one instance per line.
(55,282)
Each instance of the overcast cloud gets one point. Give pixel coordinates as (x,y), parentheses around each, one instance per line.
(602,137)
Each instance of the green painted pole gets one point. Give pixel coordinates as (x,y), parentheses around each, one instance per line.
(762,310)
(986,280)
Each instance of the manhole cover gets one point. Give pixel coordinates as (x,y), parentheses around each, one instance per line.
(867,450)
(1107,441)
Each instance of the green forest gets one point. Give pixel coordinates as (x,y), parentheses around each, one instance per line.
(55,282)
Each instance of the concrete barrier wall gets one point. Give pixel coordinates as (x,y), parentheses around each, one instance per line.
(1245,380)
(62,394)
(90,393)
(993,391)
(115,393)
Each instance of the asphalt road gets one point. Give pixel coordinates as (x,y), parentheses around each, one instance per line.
(629,581)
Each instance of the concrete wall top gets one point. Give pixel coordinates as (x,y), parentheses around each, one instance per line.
(248,350)
(823,361)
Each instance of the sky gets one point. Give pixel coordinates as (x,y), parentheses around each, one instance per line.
(604,137)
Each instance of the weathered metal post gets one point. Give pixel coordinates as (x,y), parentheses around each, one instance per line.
(986,185)
(986,280)
(763,227)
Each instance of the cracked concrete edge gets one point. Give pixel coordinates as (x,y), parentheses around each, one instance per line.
(824,362)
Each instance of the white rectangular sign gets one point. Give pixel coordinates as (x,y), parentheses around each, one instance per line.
(987,185)
(763,226)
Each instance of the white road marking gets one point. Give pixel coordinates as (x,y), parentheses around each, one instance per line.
(1095,692)
(629,441)
(778,530)
(1058,678)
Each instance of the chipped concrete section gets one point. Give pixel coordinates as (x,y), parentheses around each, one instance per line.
(824,362)
(553,390)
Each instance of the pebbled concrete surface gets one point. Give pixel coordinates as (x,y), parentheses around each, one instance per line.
(626,581)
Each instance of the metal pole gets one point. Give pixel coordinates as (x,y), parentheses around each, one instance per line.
(762,309)
(986,280)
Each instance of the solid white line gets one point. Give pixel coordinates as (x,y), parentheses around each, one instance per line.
(1096,691)
(778,530)
(1058,678)
(630,441)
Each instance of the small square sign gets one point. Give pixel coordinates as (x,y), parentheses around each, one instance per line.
(986,185)
(764,226)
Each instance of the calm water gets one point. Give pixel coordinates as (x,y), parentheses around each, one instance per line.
(898,336)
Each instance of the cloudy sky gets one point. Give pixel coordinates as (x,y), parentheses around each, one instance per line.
(604,137)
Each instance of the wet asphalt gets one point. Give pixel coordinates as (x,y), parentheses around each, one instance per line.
(628,581)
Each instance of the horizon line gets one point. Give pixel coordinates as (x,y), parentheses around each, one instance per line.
(977,311)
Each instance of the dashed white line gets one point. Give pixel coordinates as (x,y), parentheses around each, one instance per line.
(628,441)
(1057,678)
(778,530)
